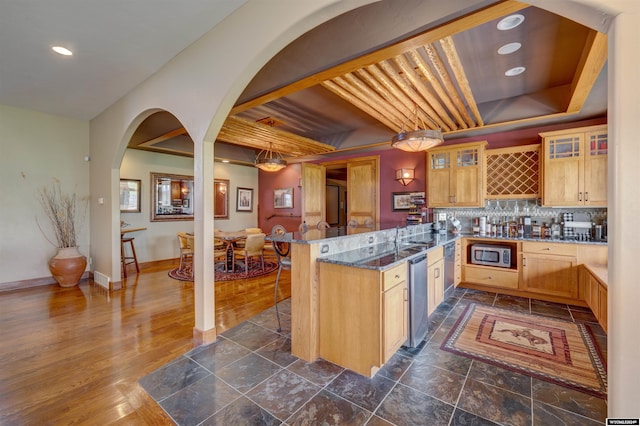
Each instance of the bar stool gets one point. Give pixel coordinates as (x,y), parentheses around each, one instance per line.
(127,260)
(284,263)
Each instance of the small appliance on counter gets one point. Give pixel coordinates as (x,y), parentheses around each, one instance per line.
(440,223)
(577,226)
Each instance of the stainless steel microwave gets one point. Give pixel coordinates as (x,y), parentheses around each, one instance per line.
(491,255)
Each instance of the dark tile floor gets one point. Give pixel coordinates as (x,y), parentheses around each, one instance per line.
(249,377)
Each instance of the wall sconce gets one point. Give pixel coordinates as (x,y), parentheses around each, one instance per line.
(405,176)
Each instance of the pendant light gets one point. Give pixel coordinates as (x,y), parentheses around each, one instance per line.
(419,139)
(269,161)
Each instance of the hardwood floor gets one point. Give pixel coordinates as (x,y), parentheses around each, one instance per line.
(75,355)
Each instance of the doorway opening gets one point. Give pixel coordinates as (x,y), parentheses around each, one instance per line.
(336,194)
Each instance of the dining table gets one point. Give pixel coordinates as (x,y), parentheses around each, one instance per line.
(230,237)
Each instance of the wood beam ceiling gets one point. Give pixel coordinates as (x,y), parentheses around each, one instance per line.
(430,36)
(257,135)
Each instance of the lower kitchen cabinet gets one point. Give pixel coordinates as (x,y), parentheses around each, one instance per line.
(363,315)
(435,278)
(491,276)
(595,294)
(394,316)
(550,269)
(457,275)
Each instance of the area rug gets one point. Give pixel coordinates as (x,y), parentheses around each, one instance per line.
(557,351)
(255,270)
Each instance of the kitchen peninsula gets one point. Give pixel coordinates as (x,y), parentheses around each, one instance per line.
(374,256)
(348,286)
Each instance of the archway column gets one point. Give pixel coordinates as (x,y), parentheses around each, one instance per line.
(623,214)
(204,330)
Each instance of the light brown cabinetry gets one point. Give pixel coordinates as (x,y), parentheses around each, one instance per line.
(492,276)
(363,315)
(455,175)
(435,279)
(549,269)
(575,167)
(394,311)
(595,294)
(457,274)
(602,307)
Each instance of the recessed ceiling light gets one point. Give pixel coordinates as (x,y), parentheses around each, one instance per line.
(514,71)
(62,50)
(510,22)
(509,48)
(225,161)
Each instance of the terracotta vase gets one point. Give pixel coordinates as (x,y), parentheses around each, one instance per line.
(67,266)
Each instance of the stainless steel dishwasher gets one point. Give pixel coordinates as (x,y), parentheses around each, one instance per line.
(449,267)
(418,317)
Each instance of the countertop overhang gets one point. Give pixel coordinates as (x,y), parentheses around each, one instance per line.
(386,255)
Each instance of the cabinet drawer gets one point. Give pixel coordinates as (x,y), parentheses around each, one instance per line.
(491,276)
(434,255)
(550,248)
(394,276)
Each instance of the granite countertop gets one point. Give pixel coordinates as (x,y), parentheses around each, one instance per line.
(386,255)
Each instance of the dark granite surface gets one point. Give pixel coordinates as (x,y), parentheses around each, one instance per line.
(384,256)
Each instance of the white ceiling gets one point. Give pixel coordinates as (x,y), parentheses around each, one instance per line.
(117,44)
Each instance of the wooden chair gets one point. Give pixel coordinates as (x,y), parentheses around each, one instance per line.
(220,251)
(248,231)
(186,248)
(253,247)
(284,262)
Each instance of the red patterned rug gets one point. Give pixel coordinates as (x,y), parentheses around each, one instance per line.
(255,270)
(549,349)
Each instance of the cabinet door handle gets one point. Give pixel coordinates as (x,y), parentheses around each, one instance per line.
(579,196)
(397,276)
(489,277)
(586,196)
(547,249)
(406,294)
(437,273)
(524,262)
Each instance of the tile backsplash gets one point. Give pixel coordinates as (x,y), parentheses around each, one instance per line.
(507,209)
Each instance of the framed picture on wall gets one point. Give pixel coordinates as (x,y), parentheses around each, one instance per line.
(130,195)
(244,200)
(283,198)
(401,201)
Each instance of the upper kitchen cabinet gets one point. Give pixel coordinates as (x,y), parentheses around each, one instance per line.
(454,176)
(575,167)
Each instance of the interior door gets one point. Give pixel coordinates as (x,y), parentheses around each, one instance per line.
(313,193)
(363,191)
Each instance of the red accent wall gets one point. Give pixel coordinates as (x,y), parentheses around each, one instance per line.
(289,177)
(390,161)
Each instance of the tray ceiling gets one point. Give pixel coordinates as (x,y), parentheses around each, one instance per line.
(449,77)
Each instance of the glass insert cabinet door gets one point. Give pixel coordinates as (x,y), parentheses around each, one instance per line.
(171,197)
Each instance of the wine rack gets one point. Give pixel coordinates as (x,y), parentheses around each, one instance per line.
(513,172)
